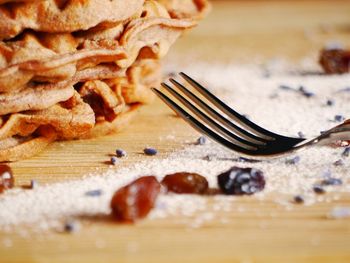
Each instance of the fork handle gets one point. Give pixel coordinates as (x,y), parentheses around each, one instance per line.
(340,132)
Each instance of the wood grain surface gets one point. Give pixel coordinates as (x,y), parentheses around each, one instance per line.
(235,30)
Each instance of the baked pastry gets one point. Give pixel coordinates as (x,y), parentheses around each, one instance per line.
(79,69)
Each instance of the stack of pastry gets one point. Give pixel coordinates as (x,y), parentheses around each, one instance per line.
(79,68)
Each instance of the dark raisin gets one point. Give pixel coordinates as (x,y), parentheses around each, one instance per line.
(150,151)
(318,189)
(335,61)
(185,183)
(6,177)
(135,200)
(240,181)
(114,160)
(339,118)
(120,153)
(298,199)
(330,102)
(201,140)
(346,152)
(71,226)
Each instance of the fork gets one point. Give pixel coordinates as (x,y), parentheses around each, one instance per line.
(233,130)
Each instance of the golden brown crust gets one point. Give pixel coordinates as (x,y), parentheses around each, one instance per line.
(36,98)
(157,34)
(54,16)
(30,60)
(23,149)
(67,122)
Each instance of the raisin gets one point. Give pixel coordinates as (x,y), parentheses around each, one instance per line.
(120,153)
(335,61)
(114,160)
(318,189)
(6,177)
(150,151)
(298,199)
(135,200)
(71,226)
(185,183)
(240,181)
(201,140)
(346,152)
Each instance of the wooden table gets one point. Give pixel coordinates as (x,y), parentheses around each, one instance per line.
(240,30)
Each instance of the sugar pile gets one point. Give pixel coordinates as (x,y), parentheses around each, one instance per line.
(253,90)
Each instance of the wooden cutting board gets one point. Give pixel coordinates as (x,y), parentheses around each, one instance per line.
(235,30)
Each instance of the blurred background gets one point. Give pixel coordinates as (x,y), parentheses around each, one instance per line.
(255,30)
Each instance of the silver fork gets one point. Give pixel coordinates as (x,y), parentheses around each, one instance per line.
(233,130)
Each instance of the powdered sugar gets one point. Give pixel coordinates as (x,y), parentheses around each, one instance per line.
(252,92)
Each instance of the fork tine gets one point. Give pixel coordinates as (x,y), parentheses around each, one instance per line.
(217,116)
(235,115)
(210,122)
(200,127)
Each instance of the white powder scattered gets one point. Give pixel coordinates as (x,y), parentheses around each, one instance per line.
(253,91)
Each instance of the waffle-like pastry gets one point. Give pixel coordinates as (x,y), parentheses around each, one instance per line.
(56,16)
(79,72)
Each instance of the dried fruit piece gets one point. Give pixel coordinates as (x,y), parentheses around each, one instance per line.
(201,140)
(298,199)
(114,160)
(6,177)
(71,226)
(330,102)
(339,118)
(346,152)
(135,200)
(150,151)
(335,61)
(318,189)
(120,153)
(240,181)
(185,183)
